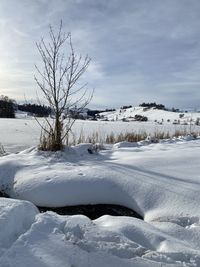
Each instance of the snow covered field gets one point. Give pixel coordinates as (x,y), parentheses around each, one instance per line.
(19,134)
(159,181)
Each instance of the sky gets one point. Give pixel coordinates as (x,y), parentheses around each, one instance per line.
(141,50)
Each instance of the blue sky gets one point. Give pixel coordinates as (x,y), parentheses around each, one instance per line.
(141,50)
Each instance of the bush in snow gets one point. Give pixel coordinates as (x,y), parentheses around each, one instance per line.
(140,118)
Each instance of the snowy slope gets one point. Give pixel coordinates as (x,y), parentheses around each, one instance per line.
(152,114)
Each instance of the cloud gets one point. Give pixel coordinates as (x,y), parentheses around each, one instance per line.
(141,49)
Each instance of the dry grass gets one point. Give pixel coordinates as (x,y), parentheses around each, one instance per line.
(2,150)
(113,138)
(48,142)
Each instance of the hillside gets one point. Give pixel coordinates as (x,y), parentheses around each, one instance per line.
(152,114)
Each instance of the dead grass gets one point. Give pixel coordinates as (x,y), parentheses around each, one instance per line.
(113,138)
(48,142)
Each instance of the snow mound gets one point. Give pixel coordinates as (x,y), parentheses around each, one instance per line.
(152,180)
(55,240)
(15,218)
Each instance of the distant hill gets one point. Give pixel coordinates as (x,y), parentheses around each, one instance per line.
(150,114)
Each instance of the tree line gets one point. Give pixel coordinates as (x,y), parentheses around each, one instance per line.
(8,107)
(152,105)
(37,110)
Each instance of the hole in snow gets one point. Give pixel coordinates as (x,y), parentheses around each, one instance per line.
(3,194)
(94,211)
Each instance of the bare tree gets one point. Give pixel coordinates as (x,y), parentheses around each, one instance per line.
(59,81)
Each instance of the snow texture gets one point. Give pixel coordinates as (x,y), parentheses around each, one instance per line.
(159,181)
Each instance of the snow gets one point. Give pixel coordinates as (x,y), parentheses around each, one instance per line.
(19,134)
(54,240)
(15,218)
(152,114)
(152,179)
(160,181)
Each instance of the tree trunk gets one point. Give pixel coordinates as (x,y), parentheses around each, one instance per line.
(58,134)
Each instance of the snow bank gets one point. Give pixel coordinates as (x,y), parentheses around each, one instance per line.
(61,241)
(153,180)
(15,218)
(159,181)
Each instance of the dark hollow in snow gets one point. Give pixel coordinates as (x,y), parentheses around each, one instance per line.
(3,194)
(94,211)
